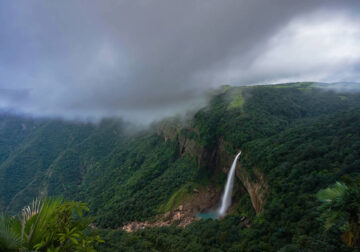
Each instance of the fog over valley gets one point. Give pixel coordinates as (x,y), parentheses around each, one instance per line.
(144,60)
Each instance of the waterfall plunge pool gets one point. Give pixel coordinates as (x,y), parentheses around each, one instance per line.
(208,215)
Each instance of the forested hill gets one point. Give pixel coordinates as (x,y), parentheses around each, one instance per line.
(296,139)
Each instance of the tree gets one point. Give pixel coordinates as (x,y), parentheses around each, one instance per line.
(342,207)
(48,225)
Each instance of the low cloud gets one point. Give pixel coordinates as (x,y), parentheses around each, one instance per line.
(143,60)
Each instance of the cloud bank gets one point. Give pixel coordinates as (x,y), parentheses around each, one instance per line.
(143,60)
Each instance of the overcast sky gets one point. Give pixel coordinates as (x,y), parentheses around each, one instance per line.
(143,60)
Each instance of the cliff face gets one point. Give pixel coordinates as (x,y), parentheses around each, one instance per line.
(219,161)
(257,187)
(216,158)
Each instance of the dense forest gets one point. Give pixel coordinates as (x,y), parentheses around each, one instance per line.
(300,144)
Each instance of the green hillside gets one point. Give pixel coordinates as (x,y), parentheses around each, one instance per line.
(296,139)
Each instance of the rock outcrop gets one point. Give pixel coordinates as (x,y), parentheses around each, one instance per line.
(257,187)
(202,200)
(179,217)
(215,158)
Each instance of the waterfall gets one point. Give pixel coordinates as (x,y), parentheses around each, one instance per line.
(226,197)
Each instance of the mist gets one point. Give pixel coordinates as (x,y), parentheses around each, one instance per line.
(145,60)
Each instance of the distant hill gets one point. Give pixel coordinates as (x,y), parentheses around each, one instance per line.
(340,86)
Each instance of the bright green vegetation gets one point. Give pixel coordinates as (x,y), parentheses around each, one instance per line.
(237,100)
(180,196)
(341,206)
(302,138)
(48,225)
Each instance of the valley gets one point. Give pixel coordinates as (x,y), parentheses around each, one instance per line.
(145,188)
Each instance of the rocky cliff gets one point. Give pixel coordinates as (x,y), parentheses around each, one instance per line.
(257,187)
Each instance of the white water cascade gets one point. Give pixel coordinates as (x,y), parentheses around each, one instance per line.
(226,198)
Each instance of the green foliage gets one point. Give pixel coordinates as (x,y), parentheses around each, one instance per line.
(237,99)
(245,208)
(177,198)
(48,225)
(65,229)
(331,194)
(142,194)
(9,238)
(209,235)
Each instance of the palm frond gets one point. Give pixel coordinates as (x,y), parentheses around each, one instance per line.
(35,218)
(34,208)
(9,239)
